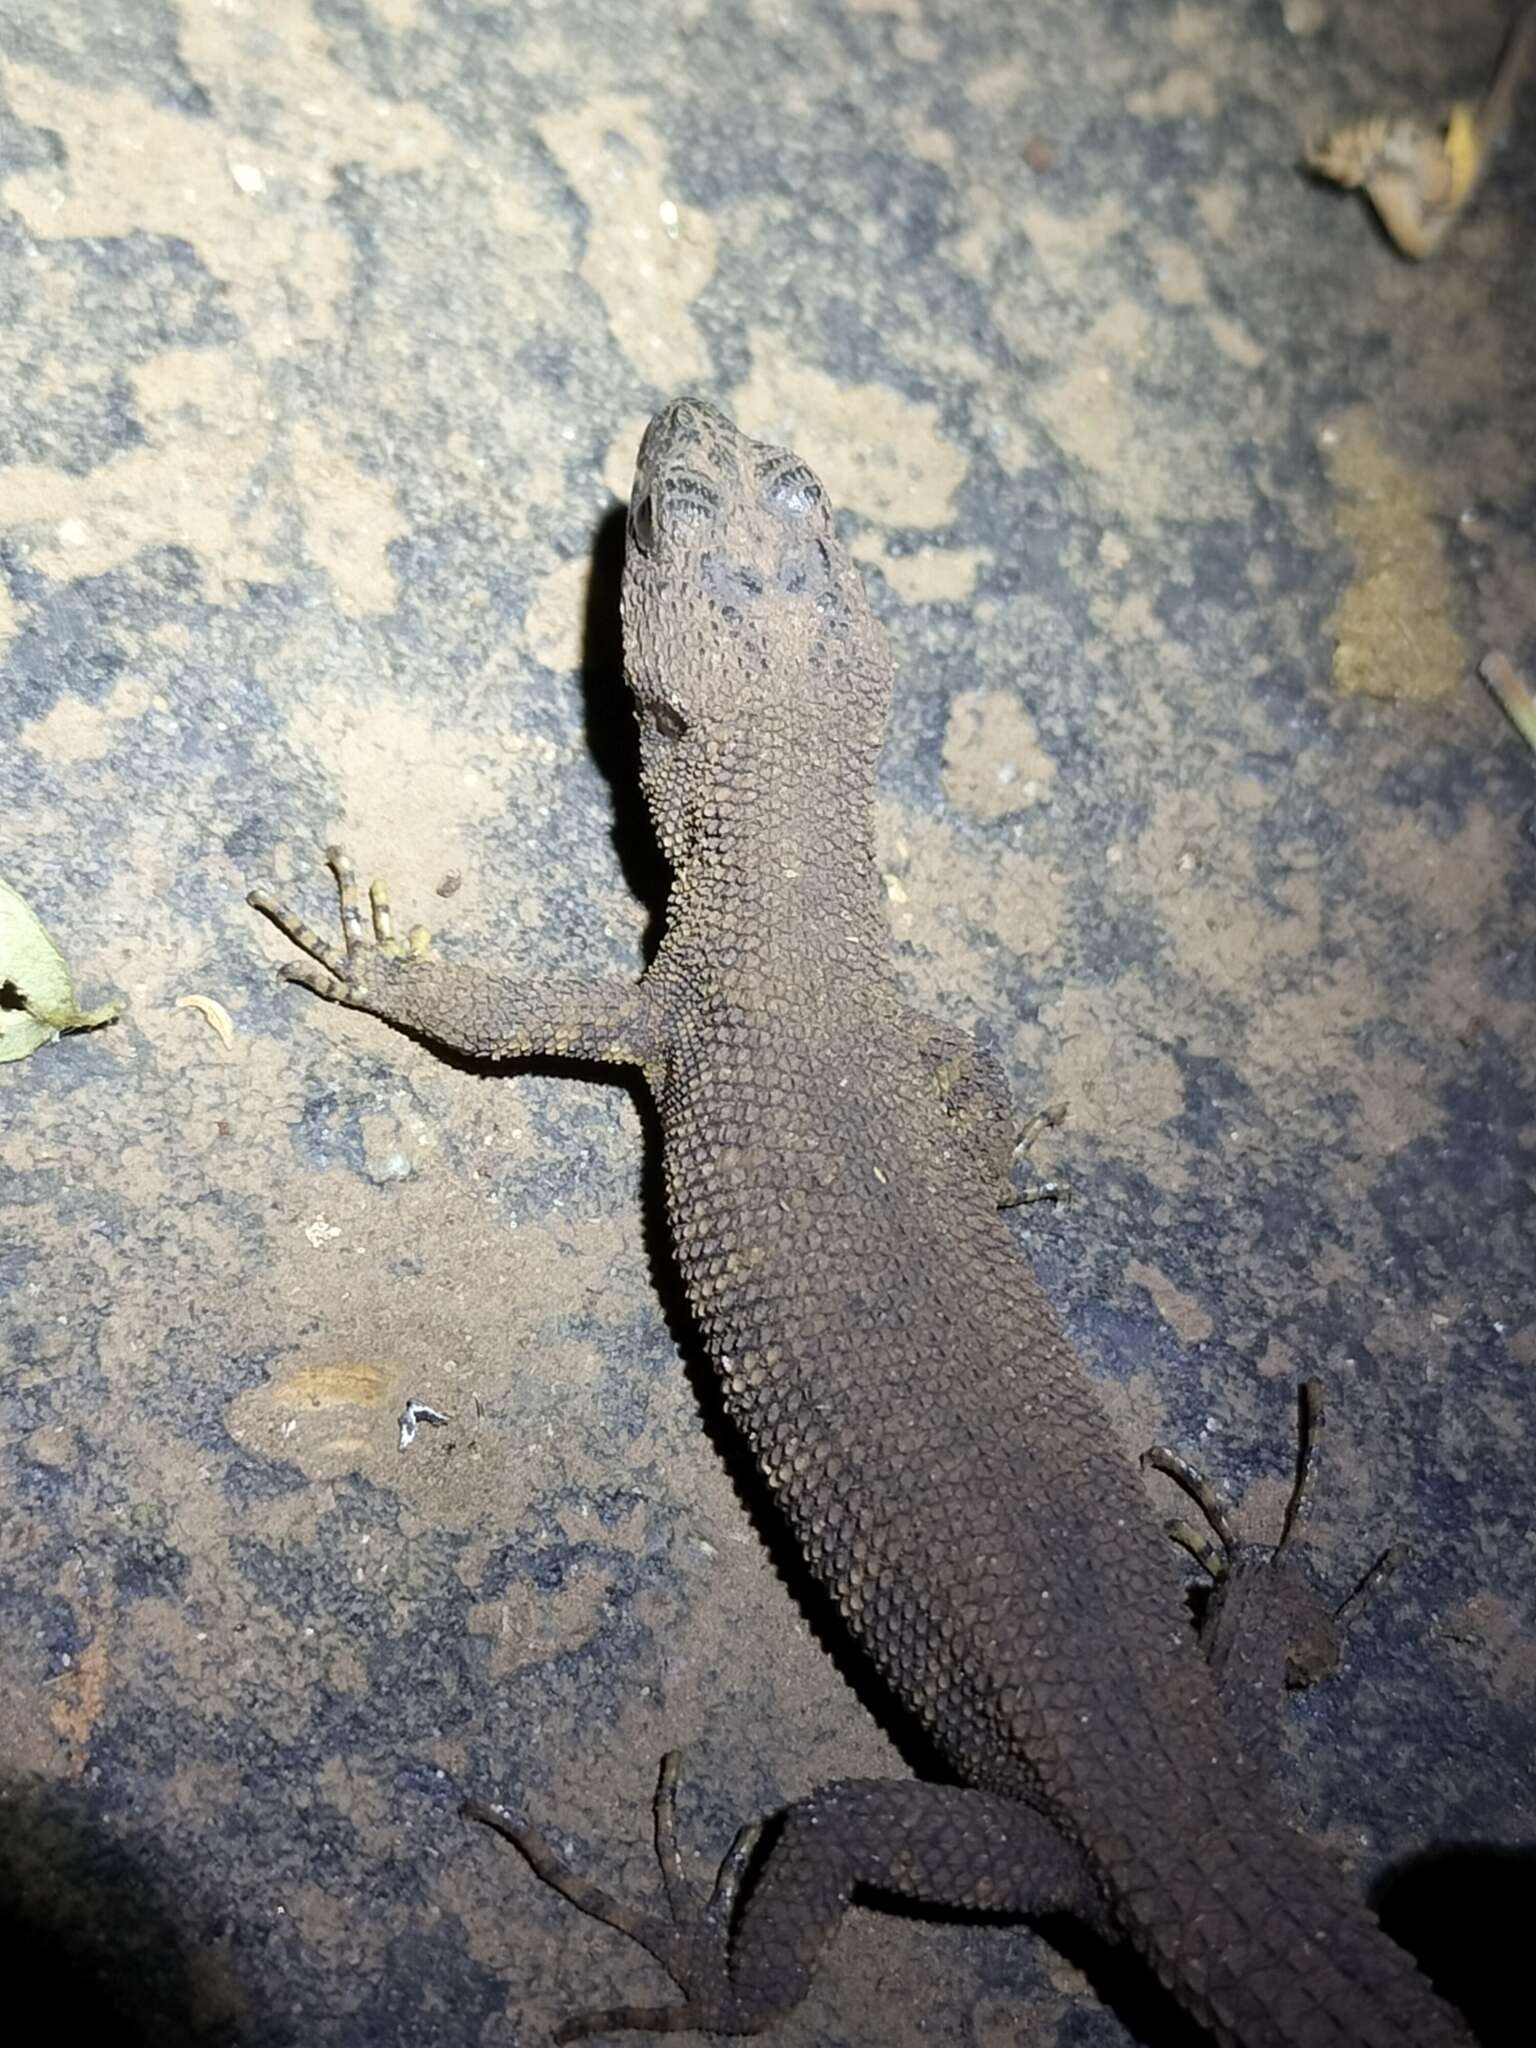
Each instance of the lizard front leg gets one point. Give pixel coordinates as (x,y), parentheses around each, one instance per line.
(493,1016)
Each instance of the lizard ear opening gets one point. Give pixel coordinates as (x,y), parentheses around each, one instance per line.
(665,720)
(642,523)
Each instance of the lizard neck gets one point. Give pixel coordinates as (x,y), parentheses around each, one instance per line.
(779,859)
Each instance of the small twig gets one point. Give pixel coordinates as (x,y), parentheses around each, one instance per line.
(1513,692)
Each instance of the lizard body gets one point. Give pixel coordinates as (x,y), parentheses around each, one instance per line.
(831,1162)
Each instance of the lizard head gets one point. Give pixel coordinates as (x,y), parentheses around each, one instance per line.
(748,635)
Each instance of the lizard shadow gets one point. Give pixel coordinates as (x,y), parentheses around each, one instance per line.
(90,1918)
(1464,1911)
(612,736)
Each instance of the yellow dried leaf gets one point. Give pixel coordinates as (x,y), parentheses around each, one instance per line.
(217,1017)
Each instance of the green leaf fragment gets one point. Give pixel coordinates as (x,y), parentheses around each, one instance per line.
(37,991)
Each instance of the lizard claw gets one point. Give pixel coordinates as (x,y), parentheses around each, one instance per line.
(342,975)
(690,1943)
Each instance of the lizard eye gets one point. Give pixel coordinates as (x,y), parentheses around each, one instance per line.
(795,491)
(669,723)
(642,523)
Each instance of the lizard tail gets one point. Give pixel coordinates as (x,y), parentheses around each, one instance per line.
(1259,1935)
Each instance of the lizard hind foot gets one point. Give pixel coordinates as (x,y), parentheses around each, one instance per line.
(1267,1618)
(690,1941)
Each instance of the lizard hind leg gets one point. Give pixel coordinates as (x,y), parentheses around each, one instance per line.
(690,1943)
(1268,1626)
(745,1954)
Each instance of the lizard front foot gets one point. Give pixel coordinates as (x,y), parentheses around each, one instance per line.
(344,977)
(691,1943)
